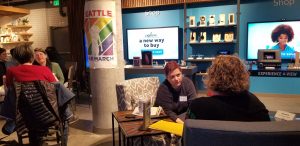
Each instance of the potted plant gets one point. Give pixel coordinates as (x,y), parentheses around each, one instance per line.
(25,21)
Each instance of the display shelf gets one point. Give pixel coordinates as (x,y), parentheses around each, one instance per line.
(199,60)
(24,34)
(212,26)
(19,42)
(209,33)
(9,10)
(19,26)
(210,42)
(4,35)
(17,35)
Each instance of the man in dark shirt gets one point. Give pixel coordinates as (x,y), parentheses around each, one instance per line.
(175,92)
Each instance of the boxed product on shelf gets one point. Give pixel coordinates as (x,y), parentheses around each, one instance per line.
(212,20)
(202,21)
(192,21)
(221,19)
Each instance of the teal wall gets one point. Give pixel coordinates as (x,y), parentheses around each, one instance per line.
(252,11)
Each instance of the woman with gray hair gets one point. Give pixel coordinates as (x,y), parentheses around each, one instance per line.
(229,99)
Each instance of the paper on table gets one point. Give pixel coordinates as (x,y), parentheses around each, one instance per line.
(155,111)
(167,126)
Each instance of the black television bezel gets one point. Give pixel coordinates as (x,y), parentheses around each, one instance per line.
(179,44)
(282,20)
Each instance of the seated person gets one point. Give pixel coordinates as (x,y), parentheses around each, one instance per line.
(42,59)
(11,61)
(25,71)
(3,59)
(54,56)
(229,99)
(175,92)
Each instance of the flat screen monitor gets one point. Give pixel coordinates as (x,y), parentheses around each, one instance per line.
(163,42)
(268,35)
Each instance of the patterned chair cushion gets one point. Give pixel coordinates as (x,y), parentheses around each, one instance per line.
(129,92)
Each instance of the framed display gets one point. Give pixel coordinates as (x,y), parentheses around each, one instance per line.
(212,20)
(202,21)
(193,37)
(136,61)
(216,37)
(147,58)
(202,37)
(192,21)
(229,36)
(222,19)
(231,18)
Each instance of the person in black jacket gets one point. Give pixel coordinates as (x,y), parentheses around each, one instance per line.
(3,59)
(175,92)
(229,98)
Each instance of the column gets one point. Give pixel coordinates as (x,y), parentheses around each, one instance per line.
(103,75)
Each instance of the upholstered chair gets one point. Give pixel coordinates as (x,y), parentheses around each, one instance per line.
(236,133)
(130,91)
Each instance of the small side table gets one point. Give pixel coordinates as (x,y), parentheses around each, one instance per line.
(131,130)
(120,117)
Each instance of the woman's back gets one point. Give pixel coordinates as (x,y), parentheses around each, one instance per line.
(23,73)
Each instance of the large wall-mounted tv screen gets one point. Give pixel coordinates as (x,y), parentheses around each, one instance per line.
(283,35)
(161,41)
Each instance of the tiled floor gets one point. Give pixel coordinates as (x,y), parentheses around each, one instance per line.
(81,132)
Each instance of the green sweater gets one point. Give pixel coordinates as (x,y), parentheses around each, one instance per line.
(57,72)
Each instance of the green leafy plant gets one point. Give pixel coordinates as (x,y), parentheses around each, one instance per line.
(25,21)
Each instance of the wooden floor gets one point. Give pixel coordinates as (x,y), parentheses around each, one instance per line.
(285,102)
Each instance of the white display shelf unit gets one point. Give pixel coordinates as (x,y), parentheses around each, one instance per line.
(16,30)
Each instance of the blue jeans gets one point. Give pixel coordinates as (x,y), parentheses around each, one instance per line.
(9,127)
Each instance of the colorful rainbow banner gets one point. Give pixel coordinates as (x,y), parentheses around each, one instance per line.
(99,26)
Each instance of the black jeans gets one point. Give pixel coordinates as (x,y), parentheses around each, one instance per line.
(36,137)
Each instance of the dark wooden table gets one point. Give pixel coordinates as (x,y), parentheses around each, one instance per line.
(131,130)
(120,117)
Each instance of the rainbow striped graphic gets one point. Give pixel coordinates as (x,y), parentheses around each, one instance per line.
(103,28)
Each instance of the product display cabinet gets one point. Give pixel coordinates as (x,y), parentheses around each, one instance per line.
(208,35)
